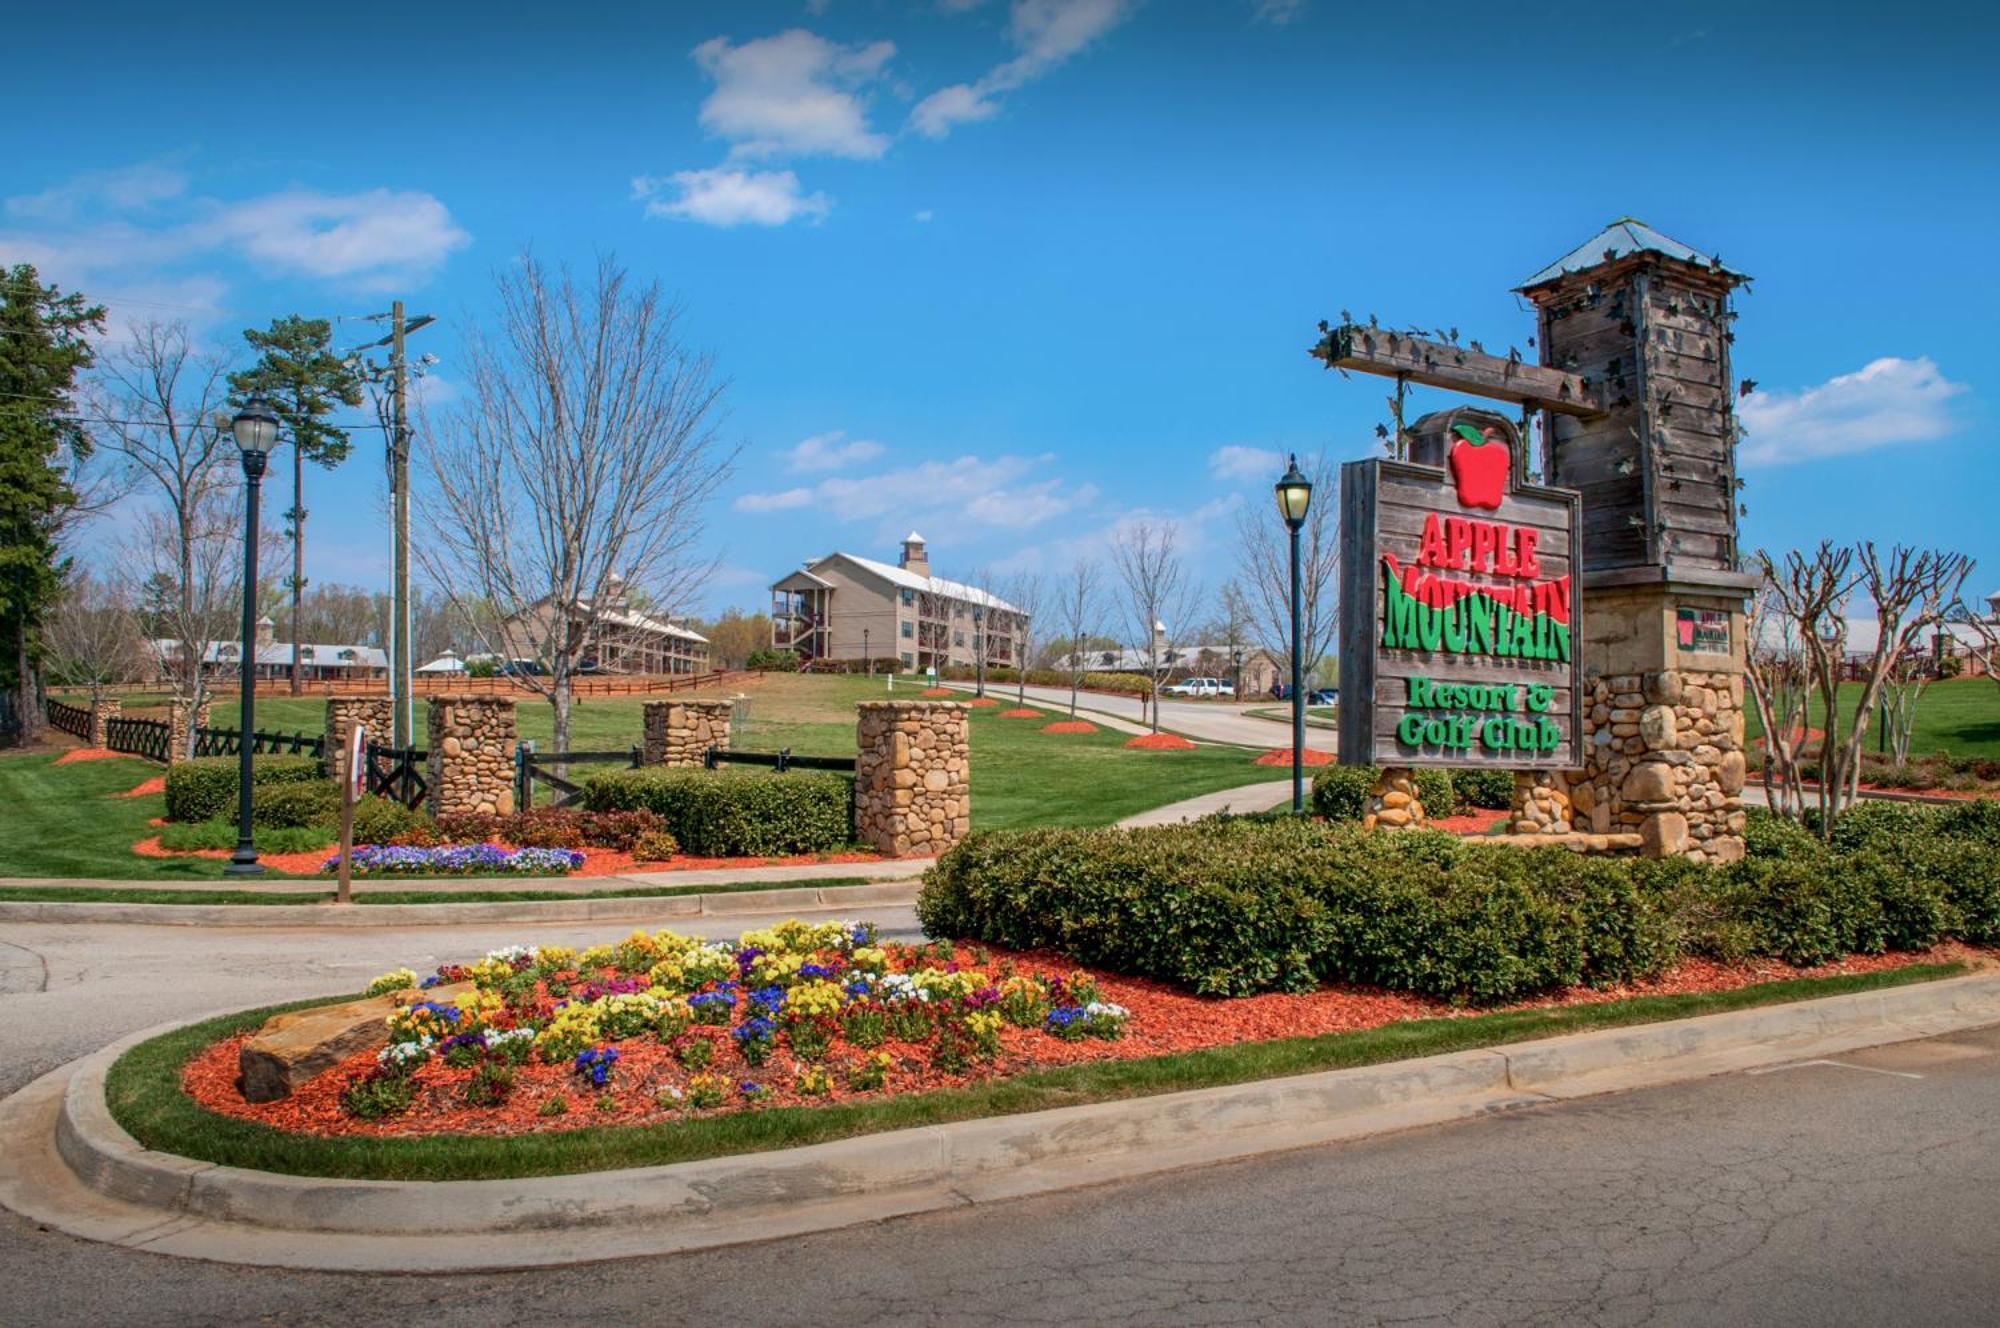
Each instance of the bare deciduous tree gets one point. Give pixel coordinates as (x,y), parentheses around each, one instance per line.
(1160,599)
(1079,609)
(1910,590)
(167,399)
(585,451)
(1780,688)
(1265,578)
(93,638)
(1026,591)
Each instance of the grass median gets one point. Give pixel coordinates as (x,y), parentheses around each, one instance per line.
(144,1094)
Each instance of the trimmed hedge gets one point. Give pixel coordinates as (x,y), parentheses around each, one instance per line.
(734,813)
(1233,906)
(205,789)
(1492,790)
(1340,792)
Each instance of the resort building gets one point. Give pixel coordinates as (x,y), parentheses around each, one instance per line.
(846,611)
(622,639)
(1252,670)
(318,661)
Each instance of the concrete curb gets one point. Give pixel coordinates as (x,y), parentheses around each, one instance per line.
(66,1163)
(634,908)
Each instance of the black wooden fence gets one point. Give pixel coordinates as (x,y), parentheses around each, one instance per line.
(149,738)
(401,773)
(229,742)
(73,720)
(532,767)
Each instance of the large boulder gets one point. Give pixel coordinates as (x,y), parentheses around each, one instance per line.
(291,1048)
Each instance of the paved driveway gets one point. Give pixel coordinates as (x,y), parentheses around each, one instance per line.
(1206,721)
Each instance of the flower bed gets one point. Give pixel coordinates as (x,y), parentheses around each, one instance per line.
(458,860)
(662,1028)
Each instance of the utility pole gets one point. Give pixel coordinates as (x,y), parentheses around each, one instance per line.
(403,721)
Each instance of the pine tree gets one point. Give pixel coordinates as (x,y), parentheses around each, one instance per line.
(43,346)
(304,381)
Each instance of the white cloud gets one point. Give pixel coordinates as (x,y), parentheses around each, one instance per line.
(1276,12)
(1888,401)
(1046,33)
(828,451)
(924,215)
(964,492)
(783,500)
(725,197)
(123,188)
(1241,464)
(793,94)
(387,236)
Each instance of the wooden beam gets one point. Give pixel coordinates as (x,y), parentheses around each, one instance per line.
(1380,350)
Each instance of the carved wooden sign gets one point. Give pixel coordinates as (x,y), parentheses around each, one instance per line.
(1458,608)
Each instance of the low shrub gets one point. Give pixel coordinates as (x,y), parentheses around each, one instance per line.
(656,846)
(1231,906)
(551,827)
(732,813)
(293,806)
(221,834)
(1340,792)
(1491,790)
(205,789)
(380,820)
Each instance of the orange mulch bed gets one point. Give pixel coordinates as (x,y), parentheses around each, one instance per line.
(1022,712)
(1070,726)
(90,754)
(296,864)
(157,784)
(1161,742)
(937,691)
(981,702)
(1165,1020)
(1477,821)
(1283,756)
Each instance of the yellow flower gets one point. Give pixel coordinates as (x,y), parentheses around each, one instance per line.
(817,997)
(870,959)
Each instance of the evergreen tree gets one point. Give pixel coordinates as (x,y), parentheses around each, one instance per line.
(43,346)
(304,381)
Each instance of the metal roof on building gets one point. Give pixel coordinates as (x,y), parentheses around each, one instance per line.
(1621,239)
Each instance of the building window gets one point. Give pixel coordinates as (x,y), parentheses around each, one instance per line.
(908,630)
(907,660)
(909,597)
(958,638)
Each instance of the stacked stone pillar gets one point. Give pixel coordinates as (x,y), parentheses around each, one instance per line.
(102,711)
(1664,753)
(912,778)
(472,744)
(1542,803)
(182,720)
(1394,803)
(376,716)
(680,732)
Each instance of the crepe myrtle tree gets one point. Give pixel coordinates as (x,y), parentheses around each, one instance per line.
(584,452)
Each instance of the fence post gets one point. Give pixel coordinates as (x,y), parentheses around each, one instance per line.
(912,776)
(679,732)
(473,746)
(102,712)
(182,721)
(524,780)
(373,713)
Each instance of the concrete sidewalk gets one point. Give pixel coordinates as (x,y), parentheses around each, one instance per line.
(1239,801)
(891,869)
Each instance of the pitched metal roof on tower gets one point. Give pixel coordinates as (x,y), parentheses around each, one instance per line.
(1623,238)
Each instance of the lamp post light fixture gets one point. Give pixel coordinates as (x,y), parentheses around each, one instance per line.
(1294,493)
(867,666)
(1236,670)
(256,431)
(979,648)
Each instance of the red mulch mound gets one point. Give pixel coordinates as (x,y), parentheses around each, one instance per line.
(1070,726)
(1476,821)
(89,754)
(157,784)
(1161,742)
(981,702)
(937,691)
(1283,756)
(1165,1020)
(596,861)
(296,864)
(1022,712)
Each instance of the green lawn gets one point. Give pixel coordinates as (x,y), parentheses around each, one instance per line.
(1959,718)
(64,821)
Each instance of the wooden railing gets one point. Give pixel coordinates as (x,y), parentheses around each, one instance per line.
(138,737)
(73,720)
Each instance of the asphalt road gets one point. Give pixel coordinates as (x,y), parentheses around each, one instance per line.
(1209,721)
(1861,1192)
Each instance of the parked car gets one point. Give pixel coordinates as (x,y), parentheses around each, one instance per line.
(1323,696)
(1203,688)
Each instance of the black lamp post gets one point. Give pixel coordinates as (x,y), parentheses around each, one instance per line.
(866,666)
(1236,670)
(979,648)
(1294,496)
(256,430)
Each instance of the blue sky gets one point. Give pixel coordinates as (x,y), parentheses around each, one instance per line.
(1017,272)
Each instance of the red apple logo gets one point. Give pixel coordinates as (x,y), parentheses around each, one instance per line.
(1479,466)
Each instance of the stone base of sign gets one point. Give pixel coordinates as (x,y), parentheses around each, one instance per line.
(1394,804)
(102,712)
(182,720)
(472,744)
(679,732)
(1541,803)
(1664,752)
(375,714)
(912,776)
